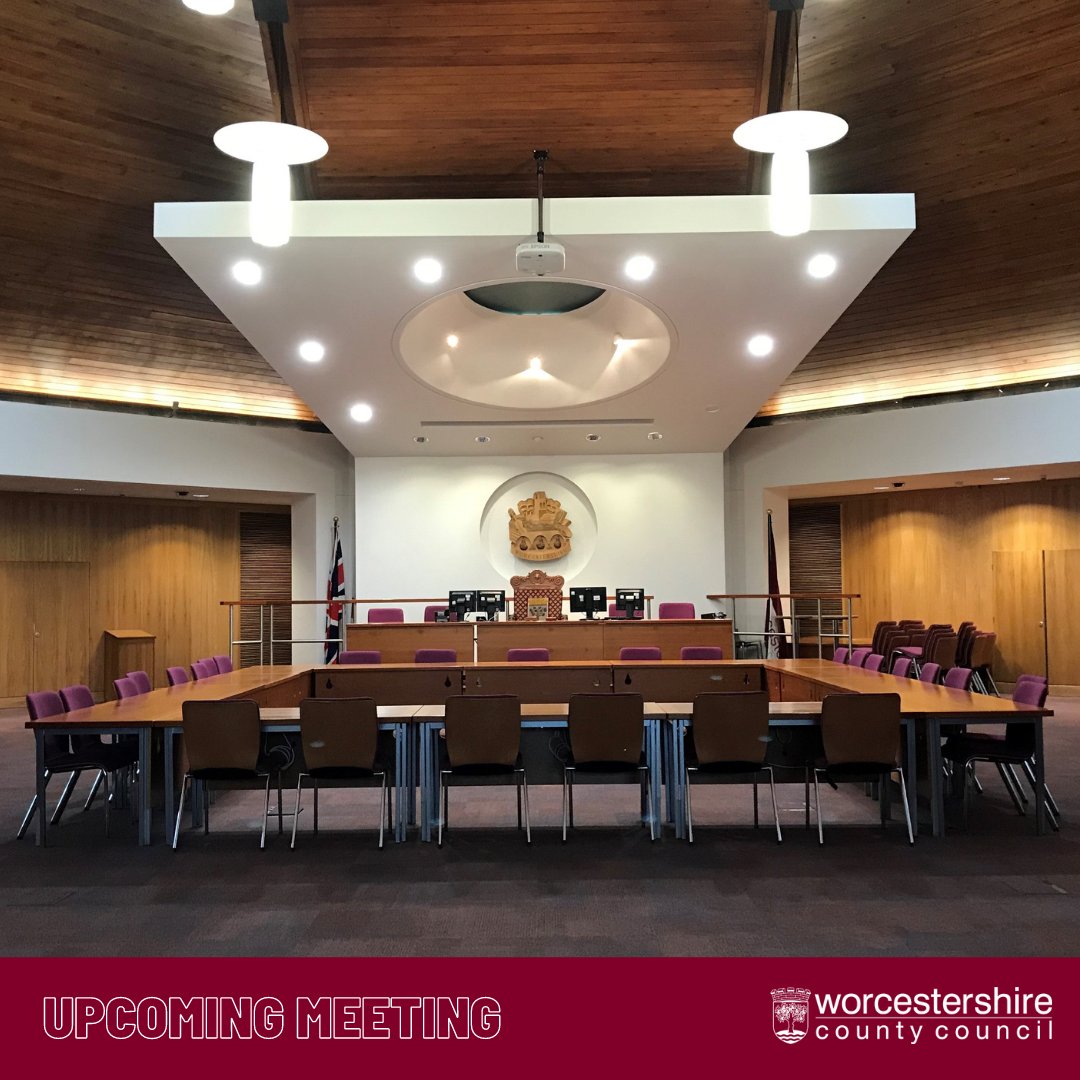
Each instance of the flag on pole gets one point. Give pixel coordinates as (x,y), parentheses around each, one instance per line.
(776,642)
(335,594)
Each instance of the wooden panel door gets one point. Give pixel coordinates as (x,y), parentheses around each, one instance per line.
(1063,616)
(1019,613)
(61,624)
(16,629)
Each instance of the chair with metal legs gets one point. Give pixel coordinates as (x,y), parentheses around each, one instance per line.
(340,739)
(223,741)
(861,737)
(727,743)
(482,746)
(606,736)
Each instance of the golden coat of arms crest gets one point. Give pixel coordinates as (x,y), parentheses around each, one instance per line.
(539,529)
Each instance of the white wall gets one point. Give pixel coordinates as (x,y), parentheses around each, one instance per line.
(659,519)
(310,471)
(993,434)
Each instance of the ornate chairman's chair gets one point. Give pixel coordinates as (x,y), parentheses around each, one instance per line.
(534,587)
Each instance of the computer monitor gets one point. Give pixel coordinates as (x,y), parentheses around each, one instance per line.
(631,602)
(491,602)
(462,602)
(590,601)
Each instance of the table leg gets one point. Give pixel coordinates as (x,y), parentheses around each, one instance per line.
(678,773)
(666,751)
(412,738)
(1040,779)
(911,775)
(401,772)
(424,735)
(937,786)
(42,810)
(144,787)
(170,785)
(652,758)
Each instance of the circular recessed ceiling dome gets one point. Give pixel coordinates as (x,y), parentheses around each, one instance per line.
(592,342)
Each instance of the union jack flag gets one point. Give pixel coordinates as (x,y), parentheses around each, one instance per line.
(335,594)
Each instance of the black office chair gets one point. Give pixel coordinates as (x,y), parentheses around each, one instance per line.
(606,732)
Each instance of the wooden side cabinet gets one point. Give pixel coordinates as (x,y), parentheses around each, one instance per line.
(127,650)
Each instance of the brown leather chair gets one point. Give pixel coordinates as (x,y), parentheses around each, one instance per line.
(861,737)
(727,743)
(223,741)
(606,732)
(482,746)
(340,738)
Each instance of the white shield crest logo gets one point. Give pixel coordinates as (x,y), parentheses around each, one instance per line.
(790,1013)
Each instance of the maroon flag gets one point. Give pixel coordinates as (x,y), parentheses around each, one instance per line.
(776,642)
(335,594)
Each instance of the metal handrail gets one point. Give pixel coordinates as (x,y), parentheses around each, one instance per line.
(793,634)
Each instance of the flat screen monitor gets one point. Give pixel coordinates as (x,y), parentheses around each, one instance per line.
(462,602)
(590,601)
(631,602)
(492,602)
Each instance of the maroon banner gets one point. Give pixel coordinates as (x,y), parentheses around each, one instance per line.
(540,1017)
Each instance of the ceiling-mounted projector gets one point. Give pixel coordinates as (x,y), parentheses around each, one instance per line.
(540,258)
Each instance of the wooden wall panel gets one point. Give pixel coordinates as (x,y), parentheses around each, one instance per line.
(930,554)
(156,566)
(973,107)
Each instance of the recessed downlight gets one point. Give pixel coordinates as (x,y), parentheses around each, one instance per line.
(209,7)
(247,272)
(821,266)
(311,351)
(760,345)
(536,363)
(200,495)
(712,408)
(452,341)
(654,436)
(1002,478)
(639,267)
(361,412)
(427,270)
(883,487)
(482,439)
(420,439)
(592,437)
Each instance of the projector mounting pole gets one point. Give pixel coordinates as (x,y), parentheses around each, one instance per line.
(540,156)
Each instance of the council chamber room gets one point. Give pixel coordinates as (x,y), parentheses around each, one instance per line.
(596,481)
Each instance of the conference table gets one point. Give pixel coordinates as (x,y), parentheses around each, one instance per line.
(668,688)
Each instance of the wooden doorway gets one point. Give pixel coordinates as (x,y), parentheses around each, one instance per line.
(45,636)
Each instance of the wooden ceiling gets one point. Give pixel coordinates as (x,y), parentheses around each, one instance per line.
(437,98)
(974,107)
(112,105)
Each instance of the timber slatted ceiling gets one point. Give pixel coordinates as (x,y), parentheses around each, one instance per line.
(814,556)
(265,573)
(438,98)
(110,106)
(974,107)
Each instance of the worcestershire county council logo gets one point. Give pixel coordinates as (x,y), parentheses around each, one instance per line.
(790,1014)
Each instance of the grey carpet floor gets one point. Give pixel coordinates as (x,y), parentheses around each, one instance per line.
(995,889)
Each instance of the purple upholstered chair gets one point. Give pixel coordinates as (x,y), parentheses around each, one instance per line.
(75,697)
(929,673)
(671,610)
(177,676)
(840,654)
(141,680)
(526,656)
(432,610)
(223,664)
(858,657)
(203,669)
(359,656)
(902,667)
(125,688)
(959,678)
(874,662)
(701,652)
(615,613)
(639,652)
(435,656)
(385,614)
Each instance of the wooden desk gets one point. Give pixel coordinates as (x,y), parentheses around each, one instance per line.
(398,642)
(669,635)
(539,683)
(390,684)
(580,639)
